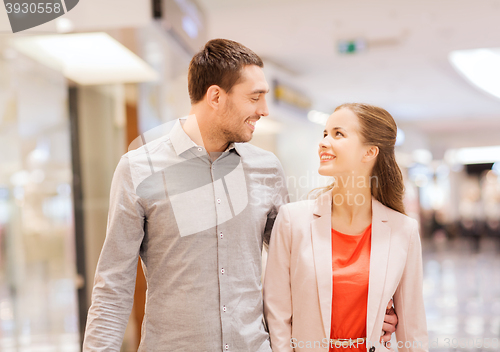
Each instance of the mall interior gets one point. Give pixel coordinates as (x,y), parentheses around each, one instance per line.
(77,91)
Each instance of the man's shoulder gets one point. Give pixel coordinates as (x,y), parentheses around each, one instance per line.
(158,145)
(147,159)
(154,155)
(260,162)
(250,152)
(251,149)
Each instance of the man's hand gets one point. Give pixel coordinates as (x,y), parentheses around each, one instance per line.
(390,322)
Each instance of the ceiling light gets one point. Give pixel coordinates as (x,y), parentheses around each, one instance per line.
(478,155)
(64,25)
(87,58)
(481,67)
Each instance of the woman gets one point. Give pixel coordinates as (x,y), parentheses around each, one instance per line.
(335,262)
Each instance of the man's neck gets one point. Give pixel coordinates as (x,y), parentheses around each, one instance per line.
(193,130)
(197,132)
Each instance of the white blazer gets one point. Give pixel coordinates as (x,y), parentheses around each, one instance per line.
(298,278)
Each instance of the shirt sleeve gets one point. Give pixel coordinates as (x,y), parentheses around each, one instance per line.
(411,331)
(277,290)
(114,283)
(280,197)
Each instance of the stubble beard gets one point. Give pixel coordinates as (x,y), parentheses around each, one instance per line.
(235,133)
(234,137)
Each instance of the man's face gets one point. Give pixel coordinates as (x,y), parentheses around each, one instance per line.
(243,106)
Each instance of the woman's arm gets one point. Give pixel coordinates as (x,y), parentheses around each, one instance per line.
(411,332)
(277,291)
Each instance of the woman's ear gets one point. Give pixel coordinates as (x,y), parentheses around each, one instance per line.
(371,154)
(213,96)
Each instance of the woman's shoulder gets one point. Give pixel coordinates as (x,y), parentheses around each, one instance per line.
(294,219)
(399,220)
(300,207)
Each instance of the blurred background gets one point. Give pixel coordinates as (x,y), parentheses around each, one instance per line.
(75,92)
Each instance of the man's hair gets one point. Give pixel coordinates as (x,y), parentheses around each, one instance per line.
(219,63)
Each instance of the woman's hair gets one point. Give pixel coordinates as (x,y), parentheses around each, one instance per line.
(378,128)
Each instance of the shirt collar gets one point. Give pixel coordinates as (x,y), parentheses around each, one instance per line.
(234,146)
(181,141)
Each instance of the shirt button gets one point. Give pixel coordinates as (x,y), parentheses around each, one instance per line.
(218,200)
(224,308)
(200,149)
(222,271)
(221,235)
(227,346)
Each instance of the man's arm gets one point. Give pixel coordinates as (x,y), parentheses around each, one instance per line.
(113,293)
(280,197)
(390,322)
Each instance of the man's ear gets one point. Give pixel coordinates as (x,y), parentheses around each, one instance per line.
(214,96)
(371,154)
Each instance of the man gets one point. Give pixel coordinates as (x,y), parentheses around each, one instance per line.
(196,206)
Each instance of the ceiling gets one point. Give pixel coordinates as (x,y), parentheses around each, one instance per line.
(405,68)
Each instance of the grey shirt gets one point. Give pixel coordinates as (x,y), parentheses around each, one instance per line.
(198,227)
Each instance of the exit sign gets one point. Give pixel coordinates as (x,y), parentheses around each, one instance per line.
(351,46)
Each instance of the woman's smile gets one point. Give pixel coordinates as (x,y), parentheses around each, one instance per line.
(325,157)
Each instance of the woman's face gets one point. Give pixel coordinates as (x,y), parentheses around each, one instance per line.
(341,151)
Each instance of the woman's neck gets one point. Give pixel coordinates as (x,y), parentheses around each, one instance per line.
(351,203)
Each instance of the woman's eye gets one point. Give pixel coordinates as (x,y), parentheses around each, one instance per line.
(339,133)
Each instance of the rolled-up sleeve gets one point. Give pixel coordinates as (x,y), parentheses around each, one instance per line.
(114,283)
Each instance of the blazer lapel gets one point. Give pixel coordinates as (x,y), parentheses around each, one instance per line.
(379,255)
(322,249)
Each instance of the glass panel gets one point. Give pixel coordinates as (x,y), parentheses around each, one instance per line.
(38,302)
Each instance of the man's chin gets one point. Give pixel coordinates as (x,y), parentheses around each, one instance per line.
(243,138)
(248,139)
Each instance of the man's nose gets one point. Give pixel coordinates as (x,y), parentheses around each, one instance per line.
(263,109)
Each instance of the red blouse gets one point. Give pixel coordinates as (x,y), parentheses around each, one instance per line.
(351,267)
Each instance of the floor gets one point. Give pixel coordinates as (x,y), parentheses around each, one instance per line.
(462,293)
